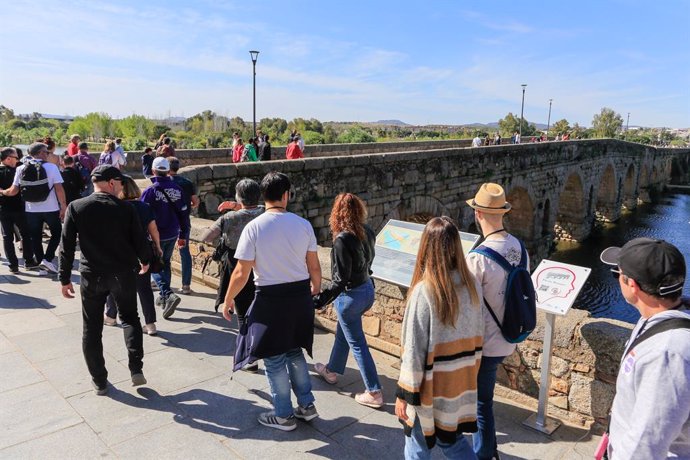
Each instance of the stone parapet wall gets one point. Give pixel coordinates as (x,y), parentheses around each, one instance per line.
(584,361)
(192,157)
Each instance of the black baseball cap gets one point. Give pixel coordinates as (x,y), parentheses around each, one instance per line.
(105,173)
(654,263)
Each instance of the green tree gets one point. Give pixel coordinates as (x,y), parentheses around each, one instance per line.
(6,114)
(134,126)
(312,137)
(96,126)
(560,127)
(16,123)
(355,135)
(511,124)
(607,123)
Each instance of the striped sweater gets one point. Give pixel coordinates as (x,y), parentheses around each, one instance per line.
(439,366)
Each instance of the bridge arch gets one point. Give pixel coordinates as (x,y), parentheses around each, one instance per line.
(607,196)
(520,220)
(572,220)
(629,197)
(419,209)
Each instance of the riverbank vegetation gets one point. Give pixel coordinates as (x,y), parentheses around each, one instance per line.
(210,130)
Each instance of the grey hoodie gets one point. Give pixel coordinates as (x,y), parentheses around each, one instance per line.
(650,417)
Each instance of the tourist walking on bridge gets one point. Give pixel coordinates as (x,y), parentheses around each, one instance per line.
(352,293)
(293,151)
(490,206)
(113,249)
(12,214)
(191,201)
(650,416)
(281,248)
(441,348)
(167,202)
(41,187)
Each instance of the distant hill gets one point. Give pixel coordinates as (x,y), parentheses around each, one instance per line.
(391,123)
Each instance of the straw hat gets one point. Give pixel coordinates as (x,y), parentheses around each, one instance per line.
(491,199)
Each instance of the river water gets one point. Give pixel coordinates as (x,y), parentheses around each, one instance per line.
(666,219)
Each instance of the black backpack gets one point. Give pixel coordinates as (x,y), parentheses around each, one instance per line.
(520,317)
(33,182)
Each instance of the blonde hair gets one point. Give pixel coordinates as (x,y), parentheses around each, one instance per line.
(348,215)
(130,189)
(109,146)
(440,253)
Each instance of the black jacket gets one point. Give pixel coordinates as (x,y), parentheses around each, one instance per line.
(351,261)
(9,203)
(111,237)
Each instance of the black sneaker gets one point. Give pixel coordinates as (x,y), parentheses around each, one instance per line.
(101,389)
(14,269)
(31,265)
(251,368)
(306,413)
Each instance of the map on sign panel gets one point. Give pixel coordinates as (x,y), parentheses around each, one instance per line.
(396,251)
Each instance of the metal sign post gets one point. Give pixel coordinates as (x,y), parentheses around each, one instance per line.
(557,286)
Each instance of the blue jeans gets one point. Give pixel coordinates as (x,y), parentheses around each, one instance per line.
(35,222)
(350,306)
(285,371)
(484,440)
(162,279)
(416,449)
(186,262)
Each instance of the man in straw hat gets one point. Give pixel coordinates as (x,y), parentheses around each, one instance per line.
(650,417)
(490,206)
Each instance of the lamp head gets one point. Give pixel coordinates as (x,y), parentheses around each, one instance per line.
(255,56)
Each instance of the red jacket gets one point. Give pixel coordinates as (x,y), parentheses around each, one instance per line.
(237,153)
(293,152)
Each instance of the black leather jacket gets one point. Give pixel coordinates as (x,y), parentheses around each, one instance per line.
(351,261)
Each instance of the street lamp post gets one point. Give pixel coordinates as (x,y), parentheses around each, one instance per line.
(522,109)
(255,56)
(548,123)
(627,123)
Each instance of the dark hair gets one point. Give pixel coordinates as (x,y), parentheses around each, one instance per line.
(83,146)
(148,149)
(48,141)
(247,192)
(20,152)
(68,160)
(118,140)
(174,163)
(6,152)
(266,137)
(167,141)
(274,185)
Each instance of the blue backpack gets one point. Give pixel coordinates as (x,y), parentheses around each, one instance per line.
(520,317)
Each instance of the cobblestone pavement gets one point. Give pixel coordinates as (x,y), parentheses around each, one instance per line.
(192,406)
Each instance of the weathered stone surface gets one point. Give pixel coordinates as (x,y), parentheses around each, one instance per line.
(559,385)
(371,325)
(513,360)
(559,401)
(559,367)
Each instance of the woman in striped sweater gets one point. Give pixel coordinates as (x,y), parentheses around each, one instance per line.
(442,337)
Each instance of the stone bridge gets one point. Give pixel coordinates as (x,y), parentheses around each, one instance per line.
(557,189)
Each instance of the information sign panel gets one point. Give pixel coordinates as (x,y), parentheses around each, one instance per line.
(396,251)
(557,285)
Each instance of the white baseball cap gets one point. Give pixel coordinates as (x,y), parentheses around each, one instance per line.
(161,164)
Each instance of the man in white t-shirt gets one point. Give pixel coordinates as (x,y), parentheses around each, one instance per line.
(281,248)
(477,141)
(490,206)
(50,211)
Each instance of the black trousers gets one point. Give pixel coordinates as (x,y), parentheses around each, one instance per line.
(145,298)
(94,290)
(245,297)
(8,219)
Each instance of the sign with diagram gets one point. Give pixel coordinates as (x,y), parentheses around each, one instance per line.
(396,251)
(557,285)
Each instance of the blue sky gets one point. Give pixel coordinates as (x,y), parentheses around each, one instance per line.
(433,62)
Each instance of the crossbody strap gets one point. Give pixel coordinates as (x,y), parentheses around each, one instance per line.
(658,328)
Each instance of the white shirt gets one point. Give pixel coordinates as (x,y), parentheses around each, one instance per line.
(51,203)
(494,281)
(476,142)
(121,151)
(278,245)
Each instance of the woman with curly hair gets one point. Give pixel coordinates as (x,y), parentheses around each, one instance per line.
(353,291)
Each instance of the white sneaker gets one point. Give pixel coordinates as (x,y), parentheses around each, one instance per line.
(48,266)
(150,329)
(42,273)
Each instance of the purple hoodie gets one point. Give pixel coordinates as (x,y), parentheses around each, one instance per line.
(166,212)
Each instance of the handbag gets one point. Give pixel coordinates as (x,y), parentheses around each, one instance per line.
(222,248)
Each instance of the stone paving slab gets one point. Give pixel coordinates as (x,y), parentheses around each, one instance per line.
(193,406)
(31,412)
